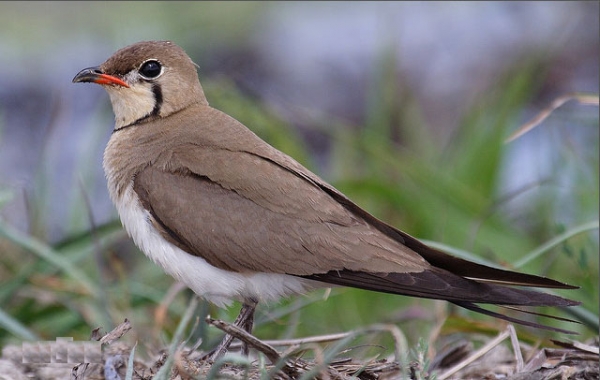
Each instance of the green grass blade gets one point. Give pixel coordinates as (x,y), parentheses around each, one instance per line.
(45,252)
(466,255)
(593,225)
(5,197)
(165,370)
(129,373)
(16,328)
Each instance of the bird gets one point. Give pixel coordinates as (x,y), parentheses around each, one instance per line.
(235,219)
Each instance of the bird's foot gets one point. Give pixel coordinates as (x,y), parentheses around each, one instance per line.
(244,320)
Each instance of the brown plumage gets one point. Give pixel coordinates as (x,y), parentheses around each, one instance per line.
(193,184)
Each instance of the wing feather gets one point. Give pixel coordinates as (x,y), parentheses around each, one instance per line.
(248,214)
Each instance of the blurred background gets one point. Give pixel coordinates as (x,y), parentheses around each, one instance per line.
(405,107)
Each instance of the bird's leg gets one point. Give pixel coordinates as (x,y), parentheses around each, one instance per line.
(247,323)
(244,320)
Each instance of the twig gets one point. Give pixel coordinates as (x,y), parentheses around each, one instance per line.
(116,333)
(246,337)
(542,115)
(476,355)
(301,341)
(514,341)
(319,370)
(577,345)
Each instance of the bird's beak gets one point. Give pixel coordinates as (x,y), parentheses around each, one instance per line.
(95,75)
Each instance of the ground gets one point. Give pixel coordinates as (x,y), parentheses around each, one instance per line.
(494,360)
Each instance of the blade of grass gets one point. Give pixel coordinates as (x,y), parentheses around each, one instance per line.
(165,370)
(584,99)
(16,328)
(129,373)
(593,225)
(459,253)
(327,356)
(5,197)
(232,359)
(45,252)
(585,316)
(83,243)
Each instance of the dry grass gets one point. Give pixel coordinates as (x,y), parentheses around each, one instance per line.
(494,360)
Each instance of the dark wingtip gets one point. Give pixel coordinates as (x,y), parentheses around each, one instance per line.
(541,314)
(467,293)
(478,309)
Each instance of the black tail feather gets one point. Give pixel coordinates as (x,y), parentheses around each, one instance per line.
(440,284)
(539,314)
(478,309)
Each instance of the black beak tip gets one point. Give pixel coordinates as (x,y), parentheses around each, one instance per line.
(89,74)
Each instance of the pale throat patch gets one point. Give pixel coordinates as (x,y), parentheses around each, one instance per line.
(131,104)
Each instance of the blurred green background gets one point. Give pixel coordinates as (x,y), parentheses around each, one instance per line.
(404,107)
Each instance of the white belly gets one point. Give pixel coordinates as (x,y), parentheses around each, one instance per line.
(216,285)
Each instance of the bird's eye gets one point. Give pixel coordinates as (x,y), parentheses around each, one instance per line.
(150,69)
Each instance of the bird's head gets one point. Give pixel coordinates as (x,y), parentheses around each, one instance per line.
(146,80)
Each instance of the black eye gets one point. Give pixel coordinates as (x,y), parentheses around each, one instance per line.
(150,69)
